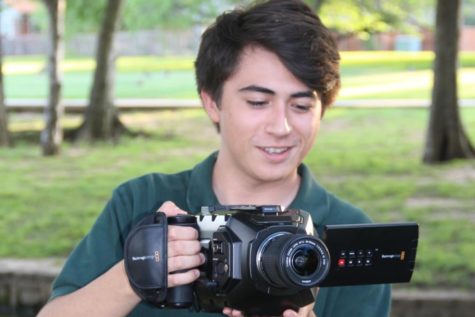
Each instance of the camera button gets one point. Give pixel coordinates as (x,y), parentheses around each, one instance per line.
(222,268)
(217,247)
(341,262)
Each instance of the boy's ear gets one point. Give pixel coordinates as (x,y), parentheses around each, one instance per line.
(210,106)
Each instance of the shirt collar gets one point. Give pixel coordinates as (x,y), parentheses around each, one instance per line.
(311,197)
(200,189)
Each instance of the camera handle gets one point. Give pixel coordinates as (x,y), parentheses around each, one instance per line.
(181,296)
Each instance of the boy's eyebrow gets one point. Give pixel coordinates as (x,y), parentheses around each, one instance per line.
(258,89)
(305,94)
(301,94)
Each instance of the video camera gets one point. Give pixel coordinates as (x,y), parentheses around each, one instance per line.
(263,260)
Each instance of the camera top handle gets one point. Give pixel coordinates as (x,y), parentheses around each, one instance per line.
(257,209)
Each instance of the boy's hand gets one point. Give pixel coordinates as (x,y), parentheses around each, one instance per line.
(306,311)
(183,249)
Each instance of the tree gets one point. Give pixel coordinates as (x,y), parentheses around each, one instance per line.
(101,119)
(446,138)
(52,134)
(5,139)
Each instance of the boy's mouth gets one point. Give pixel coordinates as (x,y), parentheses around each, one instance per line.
(275,150)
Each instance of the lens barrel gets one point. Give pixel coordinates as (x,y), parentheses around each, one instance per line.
(285,259)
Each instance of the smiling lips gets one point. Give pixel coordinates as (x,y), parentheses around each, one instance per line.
(275,150)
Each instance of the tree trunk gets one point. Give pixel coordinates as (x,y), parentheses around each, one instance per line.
(52,134)
(101,119)
(5,139)
(446,139)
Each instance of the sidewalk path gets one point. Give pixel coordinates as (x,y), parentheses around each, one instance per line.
(27,282)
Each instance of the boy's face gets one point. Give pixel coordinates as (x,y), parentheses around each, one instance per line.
(268,118)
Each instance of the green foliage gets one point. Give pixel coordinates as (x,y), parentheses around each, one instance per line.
(39,19)
(85,16)
(361,17)
(146,14)
(364,17)
(350,17)
(366,156)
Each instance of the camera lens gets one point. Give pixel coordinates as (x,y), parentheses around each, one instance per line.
(305,261)
(285,259)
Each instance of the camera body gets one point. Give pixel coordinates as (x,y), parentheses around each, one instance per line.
(260,259)
(263,260)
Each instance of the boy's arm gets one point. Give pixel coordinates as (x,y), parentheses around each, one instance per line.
(110,294)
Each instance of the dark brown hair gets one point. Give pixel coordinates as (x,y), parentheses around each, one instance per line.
(288,28)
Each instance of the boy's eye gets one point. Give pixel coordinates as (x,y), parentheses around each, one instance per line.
(256,103)
(302,108)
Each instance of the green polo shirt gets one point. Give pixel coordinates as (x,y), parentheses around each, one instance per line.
(102,247)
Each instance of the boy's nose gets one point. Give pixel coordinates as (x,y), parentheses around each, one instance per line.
(278,122)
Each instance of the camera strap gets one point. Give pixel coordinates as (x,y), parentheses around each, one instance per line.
(145,258)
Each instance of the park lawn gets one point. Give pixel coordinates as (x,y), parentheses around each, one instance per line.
(365,75)
(177,84)
(370,157)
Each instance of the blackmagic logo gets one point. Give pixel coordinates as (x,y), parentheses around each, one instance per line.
(155,257)
(401,256)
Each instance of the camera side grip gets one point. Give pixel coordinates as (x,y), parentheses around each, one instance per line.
(145,258)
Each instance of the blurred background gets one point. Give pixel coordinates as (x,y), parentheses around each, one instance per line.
(93,93)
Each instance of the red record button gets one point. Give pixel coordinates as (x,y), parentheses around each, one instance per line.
(341,262)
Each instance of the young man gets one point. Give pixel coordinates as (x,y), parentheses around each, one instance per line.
(265,77)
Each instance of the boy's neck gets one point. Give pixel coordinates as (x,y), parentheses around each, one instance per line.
(233,188)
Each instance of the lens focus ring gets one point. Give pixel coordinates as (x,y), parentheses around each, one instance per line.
(307,261)
(298,259)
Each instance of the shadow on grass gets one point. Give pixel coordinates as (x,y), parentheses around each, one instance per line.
(33,136)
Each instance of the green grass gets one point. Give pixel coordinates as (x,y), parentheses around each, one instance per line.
(369,157)
(15,65)
(177,84)
(365,75)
